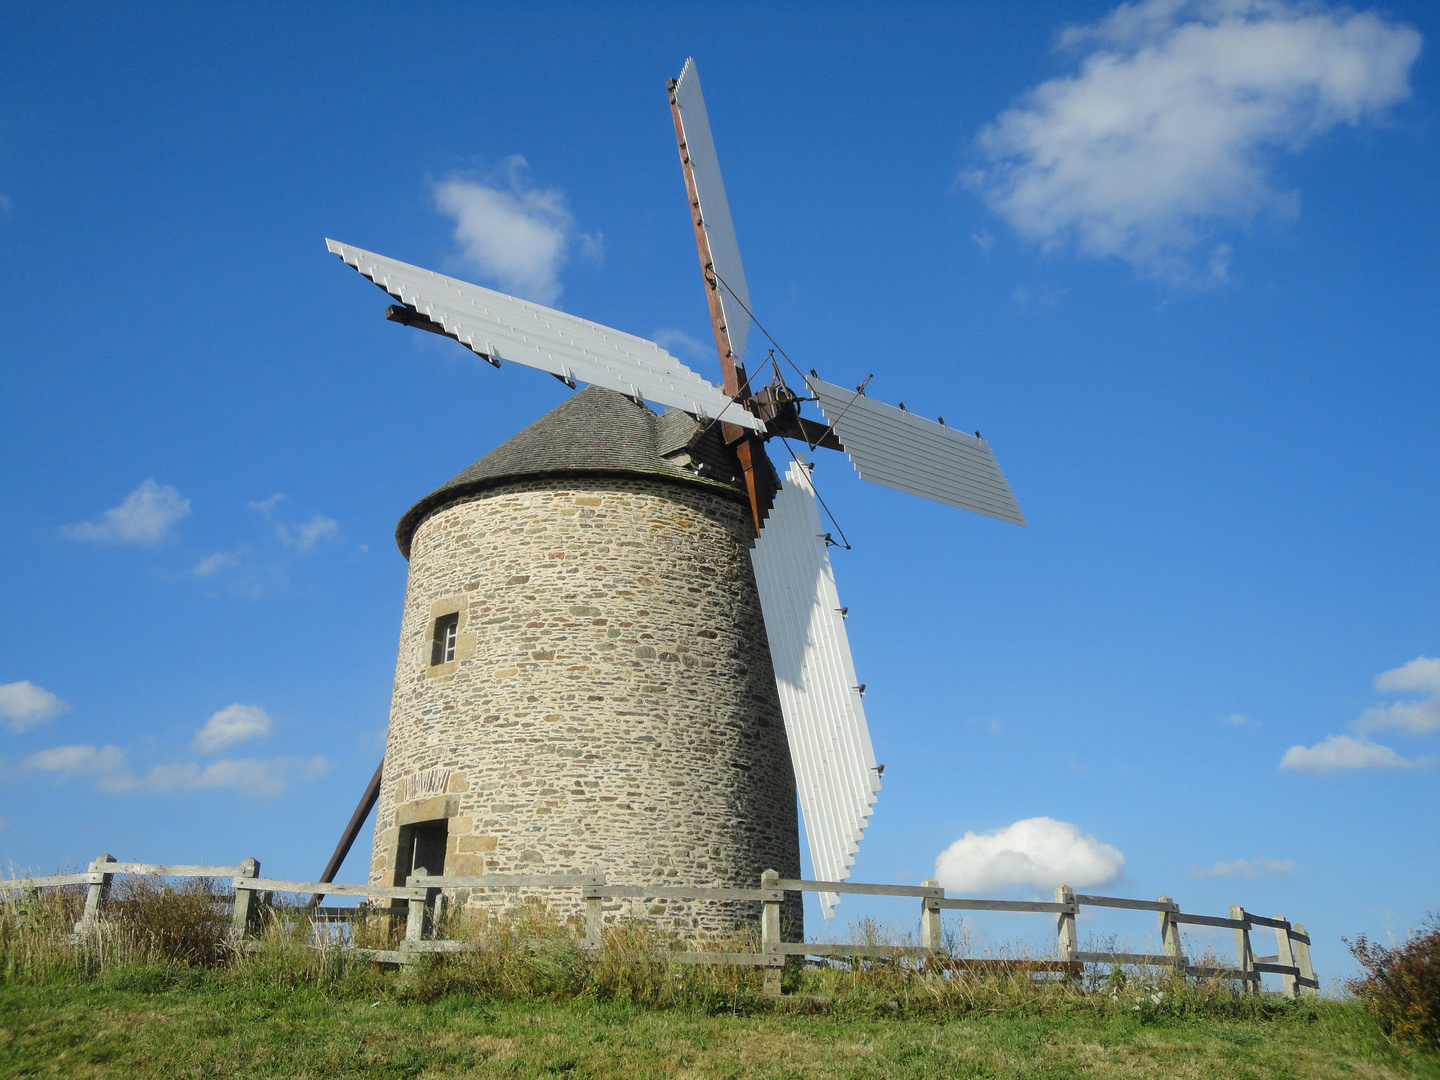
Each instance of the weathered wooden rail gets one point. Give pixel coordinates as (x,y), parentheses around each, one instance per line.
(1291,960)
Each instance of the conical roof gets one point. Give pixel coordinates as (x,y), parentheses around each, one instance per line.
(597,431)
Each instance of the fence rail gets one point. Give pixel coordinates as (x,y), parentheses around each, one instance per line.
(420,892)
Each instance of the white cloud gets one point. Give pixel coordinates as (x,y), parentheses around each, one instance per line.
(143,518)
(1246,868)
(5,204)
(23,705)
(1040,852)
(516,235)
(249,775)
(1342,752)
(1345,752)
(1238,719)
(232,724)
(304,536)
(1421,675)
(107,766)
(1170,124)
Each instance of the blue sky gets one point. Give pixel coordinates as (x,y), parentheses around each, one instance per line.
(1176,261)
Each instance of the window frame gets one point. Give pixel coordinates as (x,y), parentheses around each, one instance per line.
(445,640)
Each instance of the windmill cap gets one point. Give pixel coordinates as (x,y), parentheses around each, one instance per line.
(597,432)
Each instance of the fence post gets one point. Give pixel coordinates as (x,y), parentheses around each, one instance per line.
(770,934)
(243,918)
(1067,942)
(1285,954)
(99,893)
(1243,952)
(594,909)
(1302,960)
(930,930)
(418,912)
(1170,936)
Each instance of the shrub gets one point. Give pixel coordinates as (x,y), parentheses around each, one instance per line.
(187,923)
(1402,985)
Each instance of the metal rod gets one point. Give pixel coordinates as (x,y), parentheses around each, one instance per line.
(352,830)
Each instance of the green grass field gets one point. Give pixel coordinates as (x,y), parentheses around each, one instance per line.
(205,1028)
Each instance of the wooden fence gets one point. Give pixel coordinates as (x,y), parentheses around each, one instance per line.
(1291,960)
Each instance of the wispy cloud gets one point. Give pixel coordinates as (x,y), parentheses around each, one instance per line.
(5,204)
(23,705)
(221,560)
(110,771)
(1245,868)
(266,506)
(1040,852)
(518,236)
(106,764)
(682,344)
(304,536)
(144,517)
(1169,126)
(1238,719)
(254,570)
(232,724)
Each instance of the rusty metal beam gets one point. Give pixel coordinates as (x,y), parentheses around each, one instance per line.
(352,830)
(749,447)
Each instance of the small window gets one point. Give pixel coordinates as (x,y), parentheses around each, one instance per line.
(447,629)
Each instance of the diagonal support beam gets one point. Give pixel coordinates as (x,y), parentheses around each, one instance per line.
(352,830)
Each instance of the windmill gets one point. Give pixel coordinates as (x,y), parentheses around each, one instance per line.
(819,694)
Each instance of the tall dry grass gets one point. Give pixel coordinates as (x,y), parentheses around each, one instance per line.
(167,932)
(147,922)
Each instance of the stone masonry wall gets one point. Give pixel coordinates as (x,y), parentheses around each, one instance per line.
(611,703)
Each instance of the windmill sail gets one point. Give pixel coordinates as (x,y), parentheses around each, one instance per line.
(900,450)
(714,208)
(503,327)
(830,747)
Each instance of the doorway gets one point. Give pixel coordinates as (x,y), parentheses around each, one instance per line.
(422,848)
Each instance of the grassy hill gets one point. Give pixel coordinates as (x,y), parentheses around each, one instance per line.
(139,1024)
(157,988)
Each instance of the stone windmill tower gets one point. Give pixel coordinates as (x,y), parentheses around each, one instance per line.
(622,644)
(583,678)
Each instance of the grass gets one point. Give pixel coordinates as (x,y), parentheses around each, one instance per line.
(202,1026)
(156,990)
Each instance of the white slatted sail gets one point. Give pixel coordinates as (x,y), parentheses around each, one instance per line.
(900,450)
(824,719)
(714,207)
(506,328)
